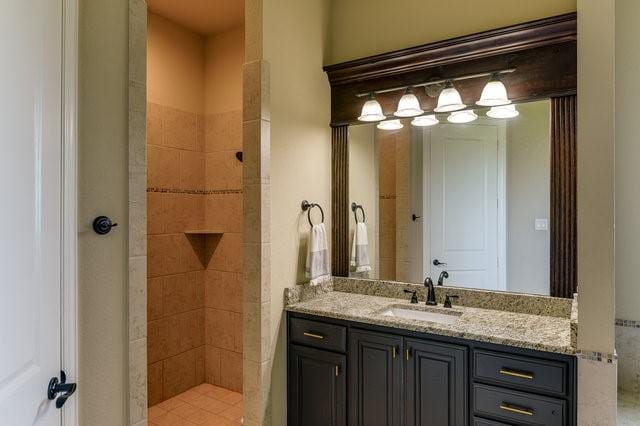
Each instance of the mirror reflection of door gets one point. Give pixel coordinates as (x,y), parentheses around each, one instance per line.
(463,171)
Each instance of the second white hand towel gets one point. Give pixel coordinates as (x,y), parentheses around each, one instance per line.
(360,249)
(317,267)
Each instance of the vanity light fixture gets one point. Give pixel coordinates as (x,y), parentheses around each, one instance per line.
(390,125)
(425,120)
(460,117)
(449,99)
(371,111)
(408,106)
(494,93)
(503,111)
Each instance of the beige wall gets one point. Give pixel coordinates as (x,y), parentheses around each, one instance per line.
(528,185)
(223,69)
(362,28)
(363,187)
(627,160)
(102,189)
(295,36)
(175,54)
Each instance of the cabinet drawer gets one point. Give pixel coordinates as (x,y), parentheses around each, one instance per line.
(523,372)
(477,421)
(318,334)
(519,407)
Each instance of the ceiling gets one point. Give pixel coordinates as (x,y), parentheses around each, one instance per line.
(201,16)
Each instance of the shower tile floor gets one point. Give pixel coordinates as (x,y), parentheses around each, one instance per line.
(205,404)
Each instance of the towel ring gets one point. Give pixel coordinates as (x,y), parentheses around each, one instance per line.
(354,209)
(307,206)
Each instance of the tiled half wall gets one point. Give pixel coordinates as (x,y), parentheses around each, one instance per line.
(194,183)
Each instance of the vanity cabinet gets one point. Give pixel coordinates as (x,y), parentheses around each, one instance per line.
(343,372)
(317,387)
(375,379)
(436,383)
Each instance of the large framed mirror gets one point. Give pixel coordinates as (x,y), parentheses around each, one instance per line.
(481,197)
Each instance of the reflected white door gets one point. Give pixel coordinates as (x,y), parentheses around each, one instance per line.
(30,172)
(464,204)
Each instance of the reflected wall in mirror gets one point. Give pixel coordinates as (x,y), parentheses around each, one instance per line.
(471,200)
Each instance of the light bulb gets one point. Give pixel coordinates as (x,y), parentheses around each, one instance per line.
(408,106)
(390,125)
(460,117)
(494,93)
(371,111)
(449,99)
(425,120)
(504,111)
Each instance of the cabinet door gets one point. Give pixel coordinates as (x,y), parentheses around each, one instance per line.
(375,374)
(435,384)
(317,387)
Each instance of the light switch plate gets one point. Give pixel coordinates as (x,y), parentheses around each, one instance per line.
(542,225)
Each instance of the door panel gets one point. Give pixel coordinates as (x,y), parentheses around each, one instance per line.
(375,365)
(317,387)
(30,167)
(435,384)
(464,204)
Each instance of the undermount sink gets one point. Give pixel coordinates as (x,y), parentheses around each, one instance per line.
(422,315)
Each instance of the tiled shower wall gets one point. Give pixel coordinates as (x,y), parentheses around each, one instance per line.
(393,159)
(194,281)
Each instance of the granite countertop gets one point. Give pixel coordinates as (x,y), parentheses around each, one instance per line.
(523,330)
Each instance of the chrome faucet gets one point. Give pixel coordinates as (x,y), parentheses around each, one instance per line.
(443,275)
(431,293)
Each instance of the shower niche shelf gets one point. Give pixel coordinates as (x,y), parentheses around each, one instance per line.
(203,232)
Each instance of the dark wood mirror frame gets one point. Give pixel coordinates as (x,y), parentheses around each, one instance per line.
(544,54)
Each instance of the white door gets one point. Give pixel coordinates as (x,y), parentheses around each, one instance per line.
(464,204)
(31,174)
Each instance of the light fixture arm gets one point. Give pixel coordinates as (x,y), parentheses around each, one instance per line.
(492,74)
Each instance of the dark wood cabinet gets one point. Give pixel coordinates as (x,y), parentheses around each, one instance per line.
(375,389)
(317,387)
(435,384)
(343,372)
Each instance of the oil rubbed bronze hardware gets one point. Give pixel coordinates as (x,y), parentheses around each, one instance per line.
(102,225)
(414,296)
(315,336)
(354,209)
(307,206)
(517,410)
(60,386)
(519,374)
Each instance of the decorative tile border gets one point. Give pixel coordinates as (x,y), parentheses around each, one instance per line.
(195,191)
(627,323)
(597,356)
(387,197)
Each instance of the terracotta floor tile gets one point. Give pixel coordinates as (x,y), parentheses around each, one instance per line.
(233,413)
(232,398)
(216,420)
(189,395)
(154,412)
(203,388)
(170,419)
(170,403)
(209,404)
(202,417)
(217,392)
(185,411)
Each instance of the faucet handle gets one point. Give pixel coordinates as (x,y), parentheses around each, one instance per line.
(447,300)
(414,295)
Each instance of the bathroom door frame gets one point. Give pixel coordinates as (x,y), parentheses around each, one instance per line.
(68,299)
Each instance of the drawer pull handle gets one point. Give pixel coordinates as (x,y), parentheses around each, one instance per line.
(315,336)
(518,374)
(517,410)
(408,353)
(337,371)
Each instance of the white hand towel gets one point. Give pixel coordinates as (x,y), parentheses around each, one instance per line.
(360,249)
(317,267)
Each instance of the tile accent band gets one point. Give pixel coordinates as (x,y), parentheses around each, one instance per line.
(195,191)
(627,323)
(597,356)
